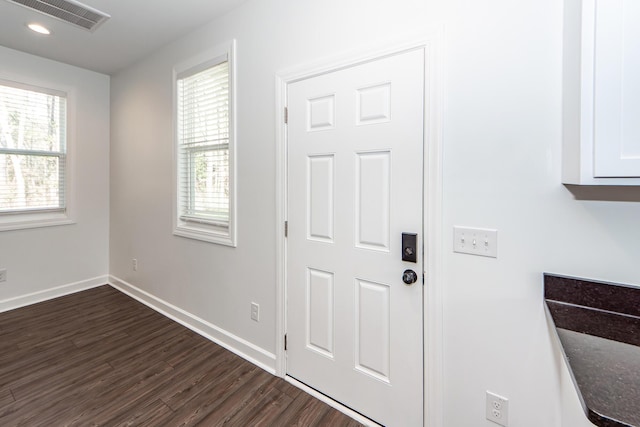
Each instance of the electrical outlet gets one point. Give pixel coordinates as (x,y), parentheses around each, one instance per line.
(134,264)
(255,312)
(475,241)
(3,275)
(497,409)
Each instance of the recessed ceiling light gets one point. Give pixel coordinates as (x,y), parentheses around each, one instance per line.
(39,29)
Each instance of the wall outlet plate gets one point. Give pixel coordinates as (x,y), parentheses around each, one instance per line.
(3,275)
(497,409)
(475,241)
(255,311)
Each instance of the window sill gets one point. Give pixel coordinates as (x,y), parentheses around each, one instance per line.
(33,220)
(205,233)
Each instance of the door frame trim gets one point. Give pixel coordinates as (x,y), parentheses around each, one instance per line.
(433,388)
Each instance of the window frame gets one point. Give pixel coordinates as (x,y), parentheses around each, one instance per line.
(46,217)
(194,227)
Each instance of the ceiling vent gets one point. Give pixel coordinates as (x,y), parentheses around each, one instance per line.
(70,11)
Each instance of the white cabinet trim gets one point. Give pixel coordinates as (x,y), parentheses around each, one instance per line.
(578,145)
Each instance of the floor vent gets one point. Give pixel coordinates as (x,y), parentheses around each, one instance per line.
(70,11)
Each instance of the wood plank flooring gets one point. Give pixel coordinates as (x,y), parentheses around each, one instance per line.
(100,358)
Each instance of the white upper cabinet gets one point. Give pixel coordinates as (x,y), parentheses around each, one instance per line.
(601,88)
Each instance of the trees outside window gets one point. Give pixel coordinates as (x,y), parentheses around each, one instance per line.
(32,150)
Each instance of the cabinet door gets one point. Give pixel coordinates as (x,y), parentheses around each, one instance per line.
(617,89)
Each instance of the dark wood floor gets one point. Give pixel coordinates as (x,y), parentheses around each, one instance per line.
(99,357)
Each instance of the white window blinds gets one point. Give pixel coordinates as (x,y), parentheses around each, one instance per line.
(33,125)
(203,143)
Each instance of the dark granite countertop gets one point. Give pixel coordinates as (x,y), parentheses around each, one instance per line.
(598,325)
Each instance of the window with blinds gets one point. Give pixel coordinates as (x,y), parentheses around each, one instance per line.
(33,159)
(204,131)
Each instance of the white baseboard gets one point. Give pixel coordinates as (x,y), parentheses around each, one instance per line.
(231,342)
(47,294)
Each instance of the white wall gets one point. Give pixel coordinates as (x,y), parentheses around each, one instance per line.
(502,137)
(213,282)
(40,259)
(502,170)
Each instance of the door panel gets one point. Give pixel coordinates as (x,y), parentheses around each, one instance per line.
(373,180)
(372,329)
(355,150)
(320,310)
(320,197)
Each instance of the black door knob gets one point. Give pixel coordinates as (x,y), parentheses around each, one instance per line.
(409,277)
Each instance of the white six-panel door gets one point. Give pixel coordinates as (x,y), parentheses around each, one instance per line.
(355,173)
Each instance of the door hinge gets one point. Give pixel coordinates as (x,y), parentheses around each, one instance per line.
(285,342)
(286,229)
(286,115)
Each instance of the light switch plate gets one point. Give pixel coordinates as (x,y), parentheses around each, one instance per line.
(475,241)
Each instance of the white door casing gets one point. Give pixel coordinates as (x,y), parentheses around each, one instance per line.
(355,175)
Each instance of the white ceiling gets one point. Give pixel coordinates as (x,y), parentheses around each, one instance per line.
(136,28)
